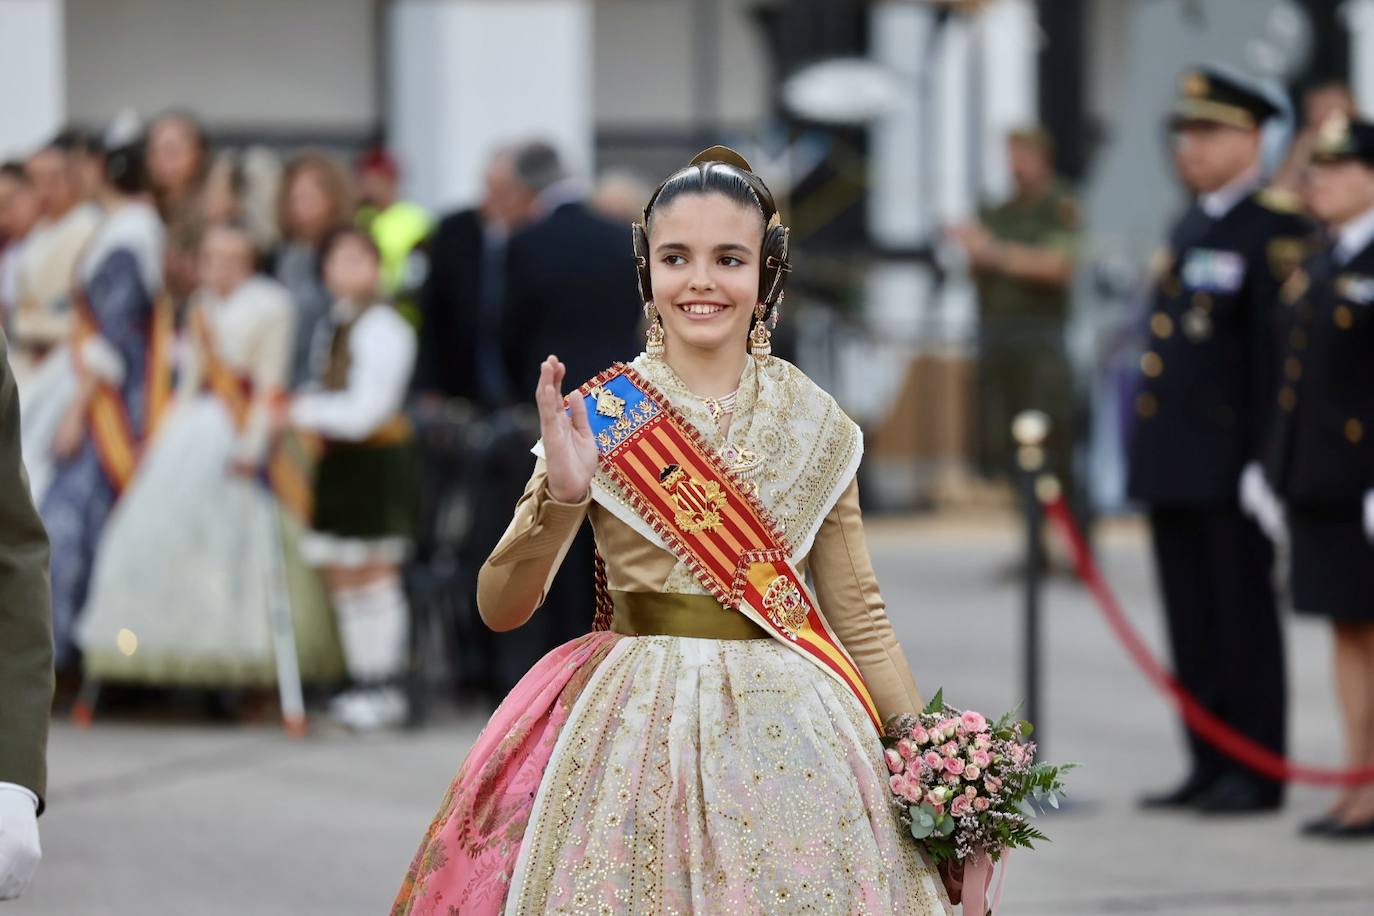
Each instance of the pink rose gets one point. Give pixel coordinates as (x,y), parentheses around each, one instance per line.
(950,779)
(960,806)
(894,760)
(993,783)
(950,749)
(972,772)
(896,783)
(907,749)
(954,765)
(982,742)
(939,809)
(934,760)
(980,804)
(920,735)
(970,791)
(1017,753)
(981,759)
(911,790)
(973,721)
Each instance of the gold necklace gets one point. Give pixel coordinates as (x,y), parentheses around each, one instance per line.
(719,407)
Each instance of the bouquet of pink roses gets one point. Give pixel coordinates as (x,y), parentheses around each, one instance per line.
(968,788)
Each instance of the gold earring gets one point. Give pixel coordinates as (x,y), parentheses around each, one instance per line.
(653,335)
(760,339)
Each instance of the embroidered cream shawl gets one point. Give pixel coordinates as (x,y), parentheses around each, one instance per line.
(810,450)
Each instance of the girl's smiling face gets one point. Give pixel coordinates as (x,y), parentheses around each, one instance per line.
(704,268)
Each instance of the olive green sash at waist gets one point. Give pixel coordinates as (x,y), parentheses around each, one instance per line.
(696,616)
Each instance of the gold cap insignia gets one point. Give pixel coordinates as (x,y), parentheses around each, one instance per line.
(1334,134)
(1194,84)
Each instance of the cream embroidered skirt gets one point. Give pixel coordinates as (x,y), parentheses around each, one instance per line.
(664,774)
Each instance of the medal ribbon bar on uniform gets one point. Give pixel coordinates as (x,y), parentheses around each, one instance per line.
(708,520)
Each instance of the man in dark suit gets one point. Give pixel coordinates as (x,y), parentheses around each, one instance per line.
(570,291)
(1206,391)
(570,280)
(26,673)
(477,456)
(462,299)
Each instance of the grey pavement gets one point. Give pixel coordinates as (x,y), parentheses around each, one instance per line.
(192,819)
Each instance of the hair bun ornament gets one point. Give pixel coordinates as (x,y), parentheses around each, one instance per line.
(722,154)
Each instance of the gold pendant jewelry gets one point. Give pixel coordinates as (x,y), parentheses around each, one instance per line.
(653,336)
(760,339)
(719,407)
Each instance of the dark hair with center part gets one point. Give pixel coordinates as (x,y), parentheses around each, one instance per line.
(715,178)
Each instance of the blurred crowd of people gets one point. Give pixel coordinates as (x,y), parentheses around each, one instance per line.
(235,371)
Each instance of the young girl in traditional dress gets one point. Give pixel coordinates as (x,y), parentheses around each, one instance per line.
(716,749)
(365,486)
(193,566)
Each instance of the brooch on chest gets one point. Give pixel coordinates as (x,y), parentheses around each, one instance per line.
(698,504)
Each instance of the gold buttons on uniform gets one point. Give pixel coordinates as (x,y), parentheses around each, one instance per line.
(1146,405)
(1161,325)
(1354,430)
(1292,367)
(1151,364)
(1288,398)
(1298,339)
(1197,325)
(1343,318)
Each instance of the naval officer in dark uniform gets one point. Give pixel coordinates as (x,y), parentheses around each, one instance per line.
(1321,460)
(1206,392)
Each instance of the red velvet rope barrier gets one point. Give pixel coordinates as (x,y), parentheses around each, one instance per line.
(1203,723)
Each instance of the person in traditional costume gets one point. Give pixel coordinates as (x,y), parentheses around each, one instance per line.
(366,482)
(117,335)
(193,567)
(712,746)
(43,313)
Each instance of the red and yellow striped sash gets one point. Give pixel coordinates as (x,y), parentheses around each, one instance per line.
(718,528)
(290,458)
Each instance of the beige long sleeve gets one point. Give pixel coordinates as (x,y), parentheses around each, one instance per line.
(847,590)
(514,580)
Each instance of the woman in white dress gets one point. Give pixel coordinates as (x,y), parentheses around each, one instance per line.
(191,566)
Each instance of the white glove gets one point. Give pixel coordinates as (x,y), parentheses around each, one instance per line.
(1259,502)
(19,849)
(1369,515)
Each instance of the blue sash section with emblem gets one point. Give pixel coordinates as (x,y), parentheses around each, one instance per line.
(616,408)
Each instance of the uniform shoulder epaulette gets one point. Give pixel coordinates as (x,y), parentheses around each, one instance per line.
(1280,200)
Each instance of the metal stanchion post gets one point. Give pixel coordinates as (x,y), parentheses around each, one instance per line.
(1030,429)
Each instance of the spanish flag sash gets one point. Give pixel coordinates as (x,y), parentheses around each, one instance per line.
(117,442)
(712,523)
(289,461)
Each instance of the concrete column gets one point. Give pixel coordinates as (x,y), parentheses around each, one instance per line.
(1360,20)
(32,85)
(898,195)
(1007,41)
(465,76)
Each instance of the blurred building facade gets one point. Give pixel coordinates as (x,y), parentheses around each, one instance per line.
(643,83)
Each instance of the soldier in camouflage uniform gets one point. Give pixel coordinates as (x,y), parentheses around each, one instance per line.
(1022,255)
